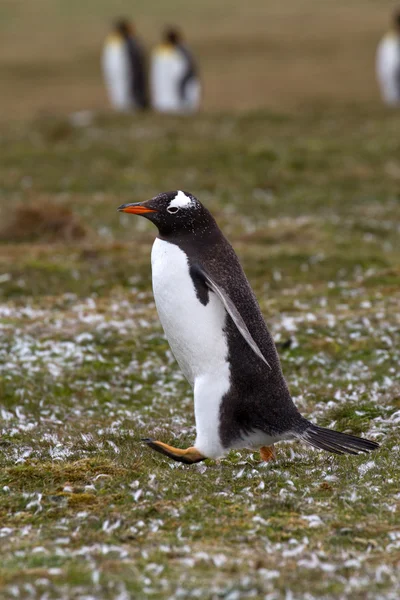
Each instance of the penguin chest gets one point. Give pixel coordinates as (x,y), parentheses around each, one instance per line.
(195,331)
(117,74)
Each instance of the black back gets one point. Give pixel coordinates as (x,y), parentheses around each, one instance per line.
(138,70)
(190,73)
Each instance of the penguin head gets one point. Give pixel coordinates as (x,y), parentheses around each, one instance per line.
(123,28)
(173,213)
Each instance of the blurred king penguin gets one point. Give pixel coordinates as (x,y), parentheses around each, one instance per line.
(388,64)
(174,81)
(124,68)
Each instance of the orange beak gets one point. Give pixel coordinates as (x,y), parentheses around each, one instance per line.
(136,209)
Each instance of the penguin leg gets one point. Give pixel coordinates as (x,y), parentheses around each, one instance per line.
(187,456)
(267,453)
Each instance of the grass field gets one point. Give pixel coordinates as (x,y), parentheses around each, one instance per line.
(252,54)
(306,187)
(311,204)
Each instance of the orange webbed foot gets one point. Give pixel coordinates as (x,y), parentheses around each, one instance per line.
(267,453)
(187,456)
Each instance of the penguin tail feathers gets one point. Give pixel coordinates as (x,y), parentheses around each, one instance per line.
(335,441)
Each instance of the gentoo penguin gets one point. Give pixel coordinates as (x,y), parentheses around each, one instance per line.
(174,82)
(388,64)
(124,68)
(217,334)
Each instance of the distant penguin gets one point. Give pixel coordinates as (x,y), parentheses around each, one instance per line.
(174,81)
(217,334)
(124,69)
(388,64)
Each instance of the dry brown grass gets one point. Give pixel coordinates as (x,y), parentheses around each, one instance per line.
(253,54)
(44,222)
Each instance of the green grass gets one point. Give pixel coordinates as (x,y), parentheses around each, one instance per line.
(310,202)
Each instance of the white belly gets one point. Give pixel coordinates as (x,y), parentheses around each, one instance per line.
(196,335)
(388,65)
(117,75)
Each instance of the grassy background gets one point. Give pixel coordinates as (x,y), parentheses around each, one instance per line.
(257,54)
(308,193)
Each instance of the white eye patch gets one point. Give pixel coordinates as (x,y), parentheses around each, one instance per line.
(180,201)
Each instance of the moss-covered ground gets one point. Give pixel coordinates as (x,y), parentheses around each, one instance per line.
(311,203)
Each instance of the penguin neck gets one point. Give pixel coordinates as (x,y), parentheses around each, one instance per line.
(208,235)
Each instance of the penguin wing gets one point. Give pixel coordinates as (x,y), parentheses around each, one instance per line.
(230,309)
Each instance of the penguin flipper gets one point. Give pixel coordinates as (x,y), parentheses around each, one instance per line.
(230,309)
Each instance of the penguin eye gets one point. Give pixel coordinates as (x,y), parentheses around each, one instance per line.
(173,209)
